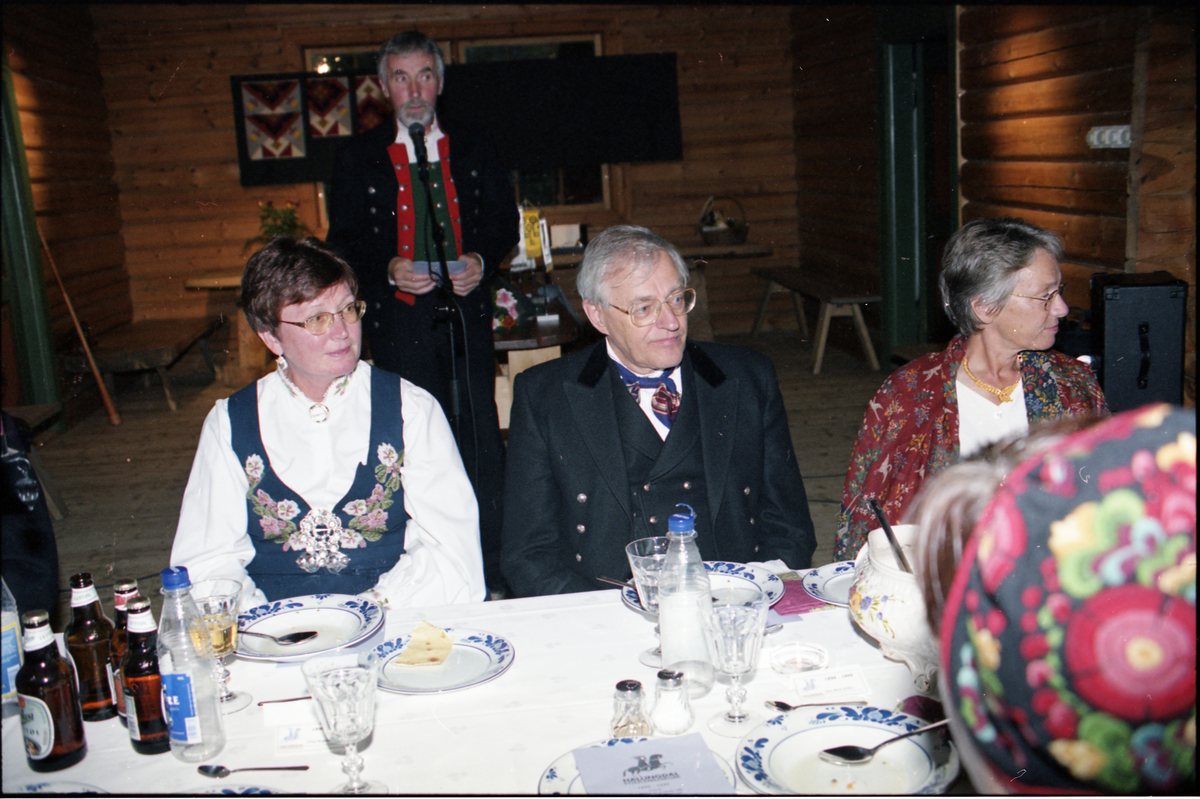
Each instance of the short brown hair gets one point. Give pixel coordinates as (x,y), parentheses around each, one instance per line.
(286,272)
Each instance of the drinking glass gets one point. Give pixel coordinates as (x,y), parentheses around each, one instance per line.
(646,557)
(735,633)
(344,684)
(218,601)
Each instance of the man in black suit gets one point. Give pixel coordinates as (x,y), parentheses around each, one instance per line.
(591,468)
(379,222)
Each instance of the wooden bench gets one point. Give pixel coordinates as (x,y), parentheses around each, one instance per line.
(151,344)
(836,300)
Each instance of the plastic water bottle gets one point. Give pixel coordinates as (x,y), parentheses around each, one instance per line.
(684,596)
(188,670)
(10,635)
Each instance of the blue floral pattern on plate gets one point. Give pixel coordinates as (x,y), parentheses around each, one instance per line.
(240,790)
(57,786)
(365,619)
(830,583)
(760,760)
(768,582)
(476,657)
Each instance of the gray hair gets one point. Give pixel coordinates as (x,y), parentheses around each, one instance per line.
(982,261)
(616,248)
(405,44)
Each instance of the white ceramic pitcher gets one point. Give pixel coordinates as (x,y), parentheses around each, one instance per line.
(886,604)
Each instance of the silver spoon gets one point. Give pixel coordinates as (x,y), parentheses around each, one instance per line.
(278,701)
(285,640)
(855,755)
(784,707)
(218,772)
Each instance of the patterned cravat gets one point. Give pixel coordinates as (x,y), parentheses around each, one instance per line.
(664,403)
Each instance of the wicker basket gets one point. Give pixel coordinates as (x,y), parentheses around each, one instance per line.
(717,227)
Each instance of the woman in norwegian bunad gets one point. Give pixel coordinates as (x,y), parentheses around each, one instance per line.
(1002,287)
(328,475)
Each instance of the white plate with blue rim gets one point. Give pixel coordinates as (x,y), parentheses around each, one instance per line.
(562,776)
(475,658)
(55,786)
(339,619)
(723,575)
(830,583)
(239,790)
(780,756)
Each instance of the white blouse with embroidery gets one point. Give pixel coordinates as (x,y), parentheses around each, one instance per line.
(442,563)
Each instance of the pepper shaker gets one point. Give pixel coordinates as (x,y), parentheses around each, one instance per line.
(672,714)
(629,712)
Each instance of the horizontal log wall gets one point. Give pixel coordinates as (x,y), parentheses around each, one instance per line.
(64,123)
(1033,81)
(166,71)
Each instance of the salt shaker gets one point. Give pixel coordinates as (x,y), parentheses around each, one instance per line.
(629,713)
(672,714)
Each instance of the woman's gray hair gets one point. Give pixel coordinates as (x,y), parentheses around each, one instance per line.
(982,261)
(405,44)
(620,247)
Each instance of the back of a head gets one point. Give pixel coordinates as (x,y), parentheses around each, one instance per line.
(1069,635)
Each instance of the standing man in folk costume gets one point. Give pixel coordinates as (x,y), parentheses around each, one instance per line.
(379,221)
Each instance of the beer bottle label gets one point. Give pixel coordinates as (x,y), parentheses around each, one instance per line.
(179,708)
(37,726)
(13,658)
(131,716)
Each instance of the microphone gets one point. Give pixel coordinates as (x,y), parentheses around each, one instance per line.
(417,131)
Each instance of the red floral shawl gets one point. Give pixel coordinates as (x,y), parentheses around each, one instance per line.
(910,430)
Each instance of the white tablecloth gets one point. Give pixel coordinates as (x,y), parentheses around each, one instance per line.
(498,737)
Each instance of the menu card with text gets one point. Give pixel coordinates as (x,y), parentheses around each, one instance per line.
(659,766)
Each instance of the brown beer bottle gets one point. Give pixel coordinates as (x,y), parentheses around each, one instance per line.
(89,636)
(123,591)
(143,685)
(50,717)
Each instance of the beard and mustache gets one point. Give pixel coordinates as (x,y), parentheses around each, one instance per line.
(416,111)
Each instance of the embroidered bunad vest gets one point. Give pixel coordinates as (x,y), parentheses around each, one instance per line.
(412,215)
(285,528)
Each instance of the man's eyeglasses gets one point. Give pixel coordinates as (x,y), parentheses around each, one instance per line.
(644,313)
(1049,298)
(319,325)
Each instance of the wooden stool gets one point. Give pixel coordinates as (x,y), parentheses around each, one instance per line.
(150,344)
(835,298)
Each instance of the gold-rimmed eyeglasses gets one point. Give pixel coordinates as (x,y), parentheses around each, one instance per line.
(644,313)
(1049,298)
(319,324)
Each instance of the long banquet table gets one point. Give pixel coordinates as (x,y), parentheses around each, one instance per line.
(493,738)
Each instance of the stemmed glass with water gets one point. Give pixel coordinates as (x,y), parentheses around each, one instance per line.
(343,683)
(735,633)
(218,602)
(646,557)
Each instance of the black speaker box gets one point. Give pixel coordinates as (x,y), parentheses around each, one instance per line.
(1138,337)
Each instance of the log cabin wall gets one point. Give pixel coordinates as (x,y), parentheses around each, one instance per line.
(166,76)
(1033,81)
(68,147)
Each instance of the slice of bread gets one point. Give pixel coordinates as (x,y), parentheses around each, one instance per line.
(429,646)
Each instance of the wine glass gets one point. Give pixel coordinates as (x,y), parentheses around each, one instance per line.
(735,632)
(646,558)
(344,686)
(218,602)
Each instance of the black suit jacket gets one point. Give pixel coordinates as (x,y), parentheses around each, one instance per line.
(567,507)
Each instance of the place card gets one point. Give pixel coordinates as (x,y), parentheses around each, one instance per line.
(831,685)
(656,766)
(300,738)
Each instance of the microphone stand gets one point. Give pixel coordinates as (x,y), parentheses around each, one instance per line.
(446,311)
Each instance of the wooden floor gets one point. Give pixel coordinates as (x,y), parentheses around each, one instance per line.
(123,485)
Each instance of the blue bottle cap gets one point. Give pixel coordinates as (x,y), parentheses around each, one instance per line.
(175,577)
(682,522)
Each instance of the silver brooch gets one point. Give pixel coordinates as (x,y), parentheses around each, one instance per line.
(320,537)
(318,412)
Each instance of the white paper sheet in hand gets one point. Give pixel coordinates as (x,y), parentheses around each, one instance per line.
(681,765)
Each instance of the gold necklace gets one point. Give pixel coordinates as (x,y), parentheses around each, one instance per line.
(1005,394)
